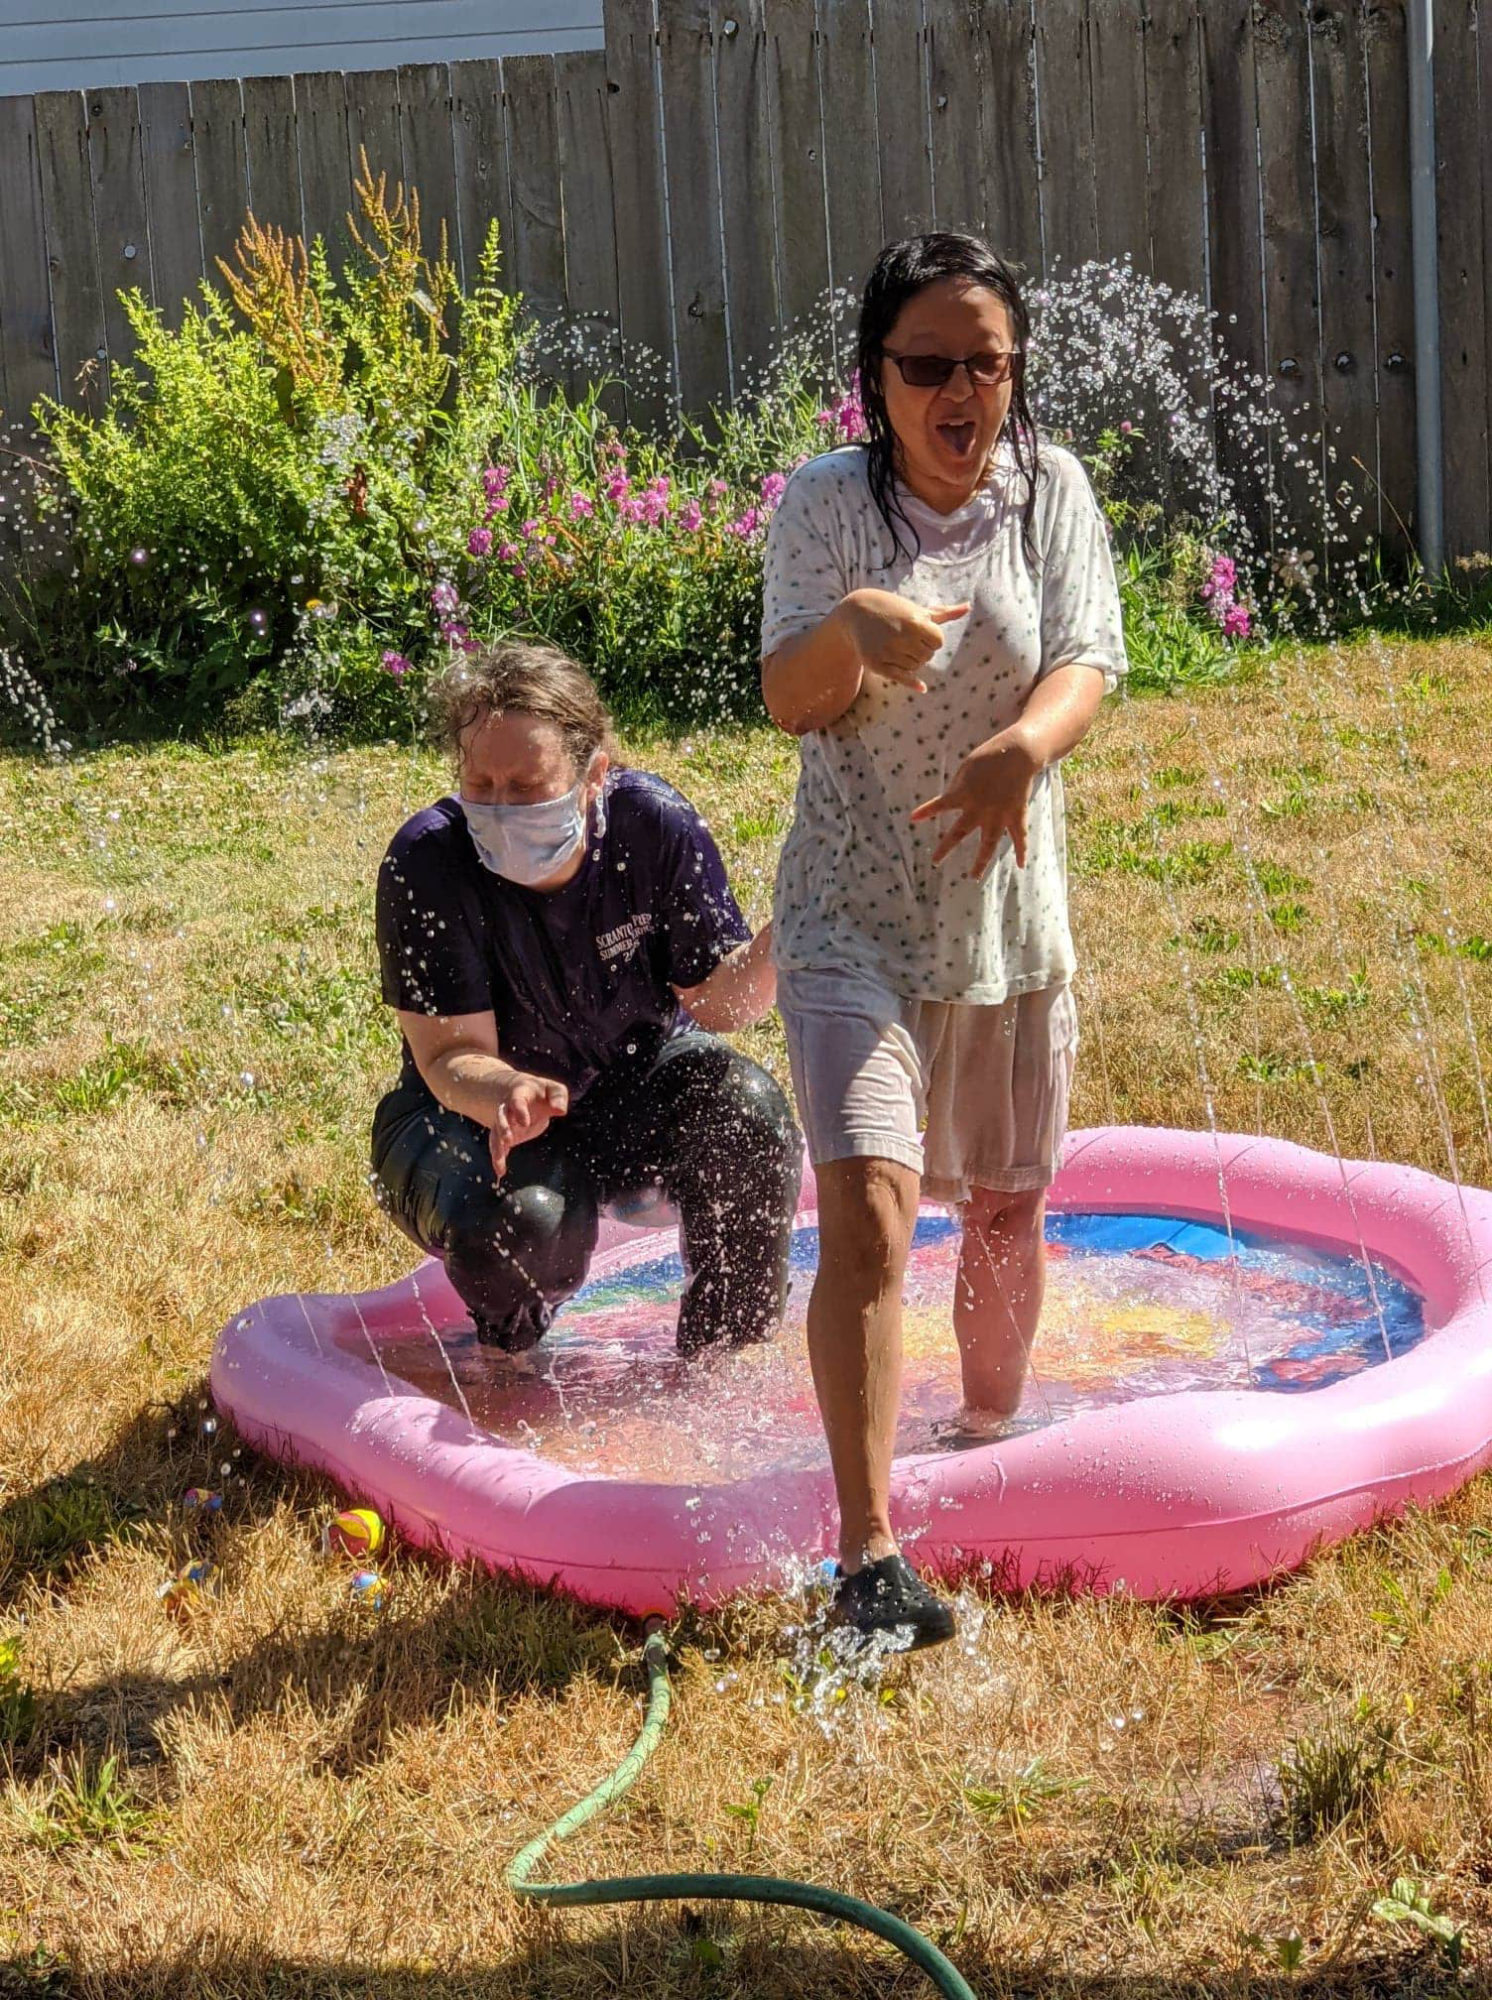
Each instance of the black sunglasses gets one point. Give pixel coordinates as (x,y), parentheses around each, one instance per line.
(931,371)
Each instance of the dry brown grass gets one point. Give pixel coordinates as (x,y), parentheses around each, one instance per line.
(312,1799)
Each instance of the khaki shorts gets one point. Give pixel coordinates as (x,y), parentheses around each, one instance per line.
(968,1097)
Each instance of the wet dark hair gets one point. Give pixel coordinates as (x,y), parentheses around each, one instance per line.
(901,270)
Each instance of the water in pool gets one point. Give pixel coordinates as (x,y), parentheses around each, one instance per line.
(1135,1306)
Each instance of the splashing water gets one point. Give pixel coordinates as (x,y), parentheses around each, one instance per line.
(1135,1305)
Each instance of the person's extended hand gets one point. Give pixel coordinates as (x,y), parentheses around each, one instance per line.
(896,638)
(989,792)
(523,1112)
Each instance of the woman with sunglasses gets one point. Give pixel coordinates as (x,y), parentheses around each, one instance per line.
(941,622)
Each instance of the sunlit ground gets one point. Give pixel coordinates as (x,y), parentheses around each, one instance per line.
(1282,904)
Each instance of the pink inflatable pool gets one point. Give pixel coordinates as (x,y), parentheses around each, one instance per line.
(1249,1351)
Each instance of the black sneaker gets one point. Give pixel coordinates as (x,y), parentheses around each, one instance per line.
(889,1596)
(523,1328)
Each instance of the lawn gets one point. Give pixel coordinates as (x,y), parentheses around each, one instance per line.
(1285,921)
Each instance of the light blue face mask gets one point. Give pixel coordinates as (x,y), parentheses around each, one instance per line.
(528,844)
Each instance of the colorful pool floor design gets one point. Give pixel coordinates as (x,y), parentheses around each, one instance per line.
(1136,1305)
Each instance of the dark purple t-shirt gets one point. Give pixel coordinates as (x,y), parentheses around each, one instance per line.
(579,977)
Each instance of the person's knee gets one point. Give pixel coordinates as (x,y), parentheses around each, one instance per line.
(543,1235)
(1001,1216)
(750,1114)
(867,1213)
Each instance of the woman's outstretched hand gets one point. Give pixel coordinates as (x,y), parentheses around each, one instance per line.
(894,637)
(988,794)
(524,1110)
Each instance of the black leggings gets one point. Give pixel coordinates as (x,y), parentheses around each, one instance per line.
(695,1117)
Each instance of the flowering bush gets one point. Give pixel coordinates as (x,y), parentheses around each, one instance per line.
(313,492)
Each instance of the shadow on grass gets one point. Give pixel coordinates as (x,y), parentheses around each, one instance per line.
(488,1636)
(680,1954)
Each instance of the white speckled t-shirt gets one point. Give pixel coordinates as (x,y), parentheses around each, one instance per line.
(856,886)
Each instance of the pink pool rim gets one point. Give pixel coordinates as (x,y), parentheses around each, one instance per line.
(1168,1496)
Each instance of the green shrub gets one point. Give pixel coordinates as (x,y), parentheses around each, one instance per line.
(298,502)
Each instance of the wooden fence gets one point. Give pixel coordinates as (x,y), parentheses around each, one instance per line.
(698,185)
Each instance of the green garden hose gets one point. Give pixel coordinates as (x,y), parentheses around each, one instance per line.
(707,1888)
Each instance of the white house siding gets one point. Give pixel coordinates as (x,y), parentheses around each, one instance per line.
(90,44)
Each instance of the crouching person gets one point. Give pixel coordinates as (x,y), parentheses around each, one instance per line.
(560,941)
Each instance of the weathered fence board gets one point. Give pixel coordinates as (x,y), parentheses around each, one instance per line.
(483,195)
(747,215)
(269,143)
(1064,75)
(1012,189)
(643,280)
(1344,233)
(697,190)
(1393,292)
(30,362)
(1116,54)
(222,170)
(173,252)
(1463,298)
(687,76)
(72,256)
(853,189)
(900,43)
(797,153)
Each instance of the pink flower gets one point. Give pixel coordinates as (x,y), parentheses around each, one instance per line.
(747,525)
(631,509)
(479,542)
(495,481)
(453,630)
(718,489)
(1222,580)
(581,508)
(395,664)
(690,516)
(507,551)
(445,598)
(773,487)
(617,487)
(1236,622)
(530,528)
(655,502)
(1125,428)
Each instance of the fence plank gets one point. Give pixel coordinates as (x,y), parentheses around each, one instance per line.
(72,255)
(373,125)
(1230,115)
(1393,284)
(1116,49)
(269,143)
(1345,224)
(956,56)
(483,195)
(797,154)
(1012,190)
(170,197)
(1177,197)
(1480,536)
(30,363)
(901,117)
(854,188)
(643,287)
(747,222)
(222,170)
(538,263)
(590,238)
(120,229)
(429,154)
(1065,78)
(1463,371)
(687,77)
(325,161)
(1292,302)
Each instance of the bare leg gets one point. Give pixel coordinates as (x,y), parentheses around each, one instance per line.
(867,1212)
(997,1296)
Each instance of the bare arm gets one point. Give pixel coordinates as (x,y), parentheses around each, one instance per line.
(457,1055)
(740,989)
(811,680)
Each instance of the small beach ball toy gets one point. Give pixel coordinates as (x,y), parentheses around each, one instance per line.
(187,1590)
(357,1531)
(200,1500)
(369,1588)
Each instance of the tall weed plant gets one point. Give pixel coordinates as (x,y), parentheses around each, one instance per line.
(309,493)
